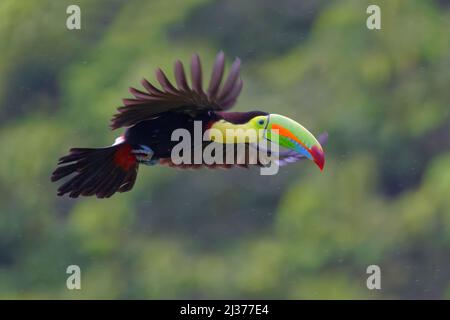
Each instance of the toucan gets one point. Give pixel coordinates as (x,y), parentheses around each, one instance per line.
(152,115)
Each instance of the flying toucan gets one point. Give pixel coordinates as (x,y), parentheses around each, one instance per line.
(152,116)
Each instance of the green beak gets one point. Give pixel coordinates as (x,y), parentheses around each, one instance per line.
(292,135)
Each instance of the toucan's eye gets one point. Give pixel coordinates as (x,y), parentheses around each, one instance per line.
(261,122)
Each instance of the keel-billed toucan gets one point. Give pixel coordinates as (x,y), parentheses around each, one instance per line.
(152,116)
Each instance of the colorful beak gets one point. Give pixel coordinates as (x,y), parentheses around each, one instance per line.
(292,135)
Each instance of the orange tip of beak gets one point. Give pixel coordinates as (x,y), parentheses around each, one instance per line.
(318,156)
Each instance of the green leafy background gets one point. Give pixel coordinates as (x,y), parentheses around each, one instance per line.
(383,198)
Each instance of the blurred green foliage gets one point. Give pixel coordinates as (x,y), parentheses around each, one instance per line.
(382,199)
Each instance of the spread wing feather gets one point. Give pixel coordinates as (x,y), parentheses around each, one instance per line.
(181,98)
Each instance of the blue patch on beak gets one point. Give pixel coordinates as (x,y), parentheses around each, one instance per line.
(300,149)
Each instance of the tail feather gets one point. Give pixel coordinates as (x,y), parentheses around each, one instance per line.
(101,172)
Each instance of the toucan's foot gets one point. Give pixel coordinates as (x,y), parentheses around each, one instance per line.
(144,155)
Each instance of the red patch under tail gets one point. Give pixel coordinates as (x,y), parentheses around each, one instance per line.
(101,172)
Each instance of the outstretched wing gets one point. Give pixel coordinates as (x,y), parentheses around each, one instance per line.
(182,97)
